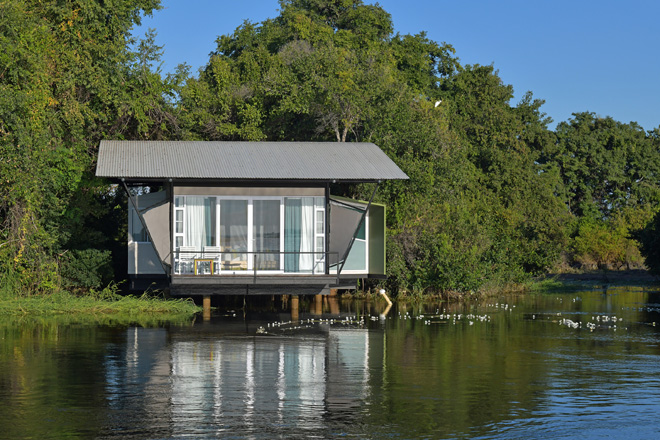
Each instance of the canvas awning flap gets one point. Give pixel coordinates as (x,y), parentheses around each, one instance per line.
(345,216)
(159,230)
(154,207)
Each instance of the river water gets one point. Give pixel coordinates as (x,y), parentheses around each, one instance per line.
(563,365)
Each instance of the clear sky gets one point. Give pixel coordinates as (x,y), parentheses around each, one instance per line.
(601,56)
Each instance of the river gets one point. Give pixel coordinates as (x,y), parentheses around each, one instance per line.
(562,365)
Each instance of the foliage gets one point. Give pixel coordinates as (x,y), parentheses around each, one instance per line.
(600,244)
(605,165)
(649,239)
(100,306)
(494,196)
(87,268)
(69,79)
(610,173)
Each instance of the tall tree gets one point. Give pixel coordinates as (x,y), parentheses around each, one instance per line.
(605,165)
(477,208)
(67,72)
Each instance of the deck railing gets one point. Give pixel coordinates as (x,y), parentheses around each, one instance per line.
(215,262)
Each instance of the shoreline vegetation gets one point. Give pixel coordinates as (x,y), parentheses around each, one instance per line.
(104,307)
(578,280)
(593,280)
(150,309)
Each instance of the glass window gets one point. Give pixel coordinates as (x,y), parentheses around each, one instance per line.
(138,233)
(234,234)
(179,221)
(210,220)
(299,234)
(266,233)
(319,222)
(200,221)
(361,232)
(272,233)
(357,258)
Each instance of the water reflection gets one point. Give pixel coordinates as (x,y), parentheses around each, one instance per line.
(197,381)
(504,368)
(244,382)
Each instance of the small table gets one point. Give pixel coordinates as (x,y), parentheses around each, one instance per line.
(203,260)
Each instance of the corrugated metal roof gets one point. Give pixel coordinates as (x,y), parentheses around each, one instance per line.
(245,160)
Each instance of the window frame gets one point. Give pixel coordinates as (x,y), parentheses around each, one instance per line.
(250,227)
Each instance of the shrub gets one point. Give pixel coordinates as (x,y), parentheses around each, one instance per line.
(86,269)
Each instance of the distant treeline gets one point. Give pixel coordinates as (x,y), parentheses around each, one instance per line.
(494,198)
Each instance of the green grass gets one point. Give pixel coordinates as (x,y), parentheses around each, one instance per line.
(103,307)
(557,283)
(552,285)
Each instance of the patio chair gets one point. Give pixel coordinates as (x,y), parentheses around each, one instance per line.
(213,252)
(186,259)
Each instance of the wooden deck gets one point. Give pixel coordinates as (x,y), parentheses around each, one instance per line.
(186,285)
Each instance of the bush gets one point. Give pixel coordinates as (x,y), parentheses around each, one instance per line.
(649,240)
(86,269)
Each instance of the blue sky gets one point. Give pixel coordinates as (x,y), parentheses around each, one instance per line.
(578,55)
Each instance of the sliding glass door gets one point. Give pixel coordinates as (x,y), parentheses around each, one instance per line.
(299,234)
(234,234)
(266,234)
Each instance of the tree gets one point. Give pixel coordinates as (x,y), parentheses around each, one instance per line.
(649,239)
(478,206)
(65,84)
(605,165)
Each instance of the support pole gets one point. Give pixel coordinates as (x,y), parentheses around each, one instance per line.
(318,305)
(295,313)
(332,302)
(206,305)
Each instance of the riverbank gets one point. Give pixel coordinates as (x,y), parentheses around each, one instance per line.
(107,307)
(594,280)
(575,281)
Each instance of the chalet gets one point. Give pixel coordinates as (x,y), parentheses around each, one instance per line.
(249,217)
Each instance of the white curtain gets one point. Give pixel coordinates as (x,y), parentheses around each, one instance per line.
(307,234)
(195,222)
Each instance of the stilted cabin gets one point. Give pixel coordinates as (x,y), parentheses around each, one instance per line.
(245,218)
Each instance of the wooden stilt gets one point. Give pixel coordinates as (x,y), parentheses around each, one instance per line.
(333,304)
(206,306)
(318,305)
(295,315)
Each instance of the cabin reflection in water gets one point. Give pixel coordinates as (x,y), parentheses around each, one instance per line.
(264,380)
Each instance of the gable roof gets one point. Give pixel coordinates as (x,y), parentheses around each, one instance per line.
(322,161)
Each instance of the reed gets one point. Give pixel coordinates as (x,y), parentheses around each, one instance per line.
(98,306)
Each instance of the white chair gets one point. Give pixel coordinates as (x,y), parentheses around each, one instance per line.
(186,259)
(213,253)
